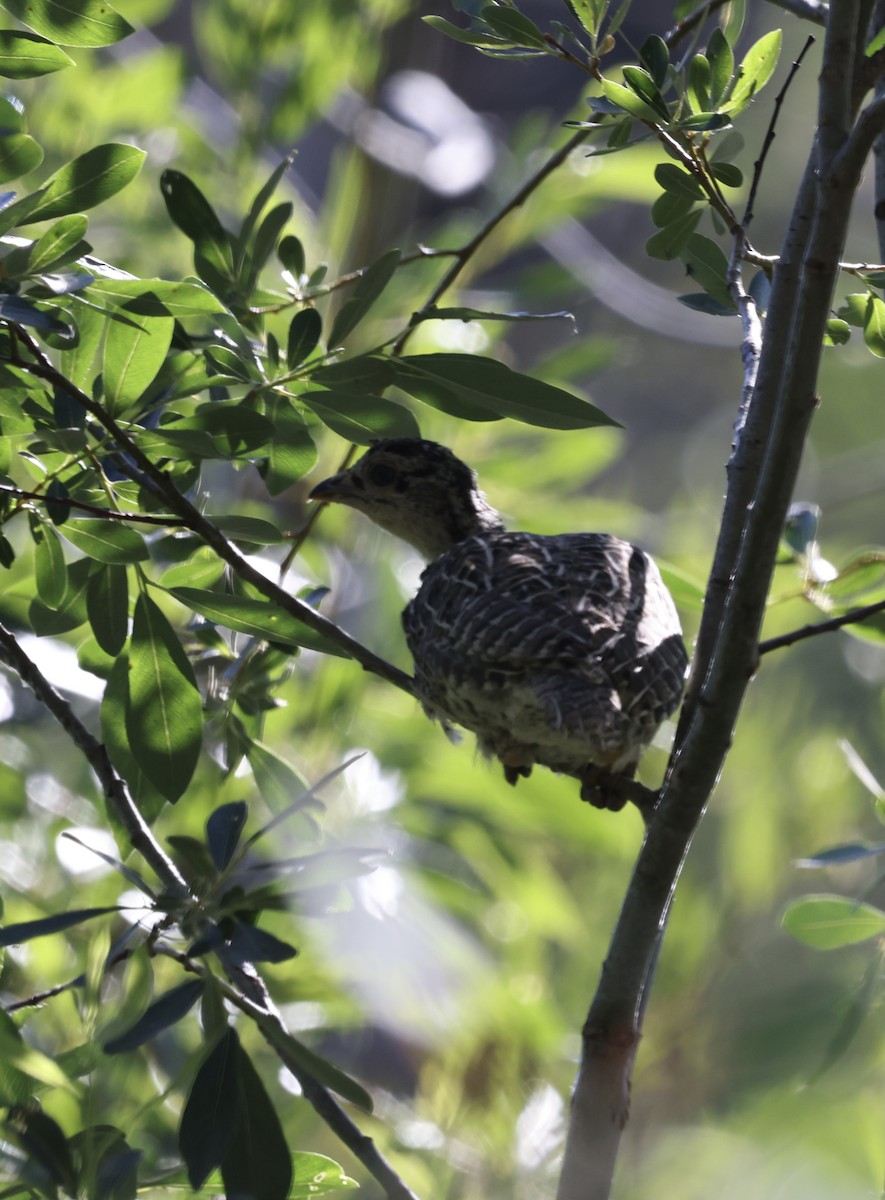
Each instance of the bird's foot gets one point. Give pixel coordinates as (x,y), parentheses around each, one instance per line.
(513,774)
(603,789)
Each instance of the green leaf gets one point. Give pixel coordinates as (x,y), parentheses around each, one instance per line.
(699,80)
(480,39)
(627,100)
(258,618)
(277,781)
(721,59)
(49,566)
(876,43)
(106,541)
(256,1162)
(107,605)
(266,238)
(365,292)
(646,88)
(15,1052)
(212,1111)
(86,181)
(755,71)
(513,25)
(361,419)
(874,326)
(197,220)
(133,355)
(827,922)
(325,1072)
(364,373)
(53,246)
(315,1175)
(669,208)
(26,931)
(727,173)
(164,720)
(76,363)
(18,155)
(854,1016)
(479,314)
(290,252)
(854,309)
(71,612)
(493,390)
(304,336)
(22,312)
(165,1011)
(71,22)
(291,452)
(672,239)
(114,708)
(155,297)
(679,181)
(655,57)
(253,530)
(706,262)
(25,56)
(837,332)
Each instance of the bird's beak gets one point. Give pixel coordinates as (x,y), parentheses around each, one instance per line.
(335,489)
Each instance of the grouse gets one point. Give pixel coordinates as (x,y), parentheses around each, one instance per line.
(565,651)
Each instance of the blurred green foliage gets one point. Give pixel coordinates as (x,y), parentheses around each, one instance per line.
(450,980)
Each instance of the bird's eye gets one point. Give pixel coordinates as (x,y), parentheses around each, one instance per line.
(381,475)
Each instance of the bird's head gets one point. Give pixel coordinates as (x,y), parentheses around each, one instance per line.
(415,489)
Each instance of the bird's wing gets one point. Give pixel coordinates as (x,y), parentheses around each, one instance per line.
(520,602)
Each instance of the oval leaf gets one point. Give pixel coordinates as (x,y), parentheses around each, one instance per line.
(25,56)
(164,719)
(133,354)
(107,606)
(258,618)
(828,922)
(71,22)
(361,419)
(212,1111)
(106,541)
(87,181)
(223,831)
(257,1162)
(366,291)
(165,1011)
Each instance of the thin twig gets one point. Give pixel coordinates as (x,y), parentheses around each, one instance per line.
(809,10)
(467,251)
(853,617)
(770,133)
(96,755)
(684,27)
(108,514)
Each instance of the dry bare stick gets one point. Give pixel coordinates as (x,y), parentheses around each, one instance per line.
(854,616)
(764,471)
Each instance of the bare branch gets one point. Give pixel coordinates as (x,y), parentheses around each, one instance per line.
(809,10)
(853,617)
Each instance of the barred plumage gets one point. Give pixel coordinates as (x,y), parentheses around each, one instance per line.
(564,651)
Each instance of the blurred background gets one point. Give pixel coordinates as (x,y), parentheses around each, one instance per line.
(455,981)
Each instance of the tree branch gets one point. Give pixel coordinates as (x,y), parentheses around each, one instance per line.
(108,514)
(853,617)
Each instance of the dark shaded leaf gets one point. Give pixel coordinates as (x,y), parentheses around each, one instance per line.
(197,219)
(291,453)
(836,856)
(513,25)
(107,606)
(19,154)
(365,292)
(257,1163)
(165,1011)
(672,239)
(114,708)
(304,335)
(223,831)
(327,1073)
(249,944)
(361,418)
(21,311)
(44,1141)
(24,931)
(212,1111)
(490,390)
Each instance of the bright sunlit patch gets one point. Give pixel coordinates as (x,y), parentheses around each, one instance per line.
(288,1082)
(373,789)
(539,1127)
(79,859)
(381,892)
(58,663)
(7,706)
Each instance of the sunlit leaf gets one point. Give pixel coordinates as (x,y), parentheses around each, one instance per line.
(106,541)
(133,355)
(71,22)
(827,922)
(755,71)
(87,181)
(25,56)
